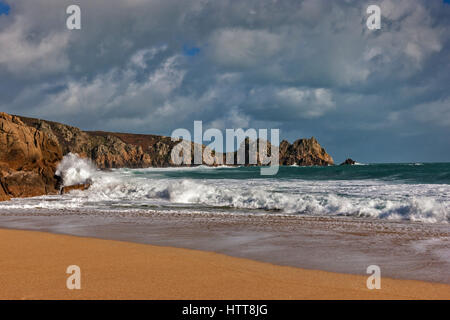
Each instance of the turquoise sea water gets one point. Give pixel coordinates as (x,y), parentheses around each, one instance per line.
(434,173)
(412,191)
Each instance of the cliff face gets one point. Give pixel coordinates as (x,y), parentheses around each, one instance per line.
(109,149)
(28,159)
(30,150)
(105,150)
(116,150)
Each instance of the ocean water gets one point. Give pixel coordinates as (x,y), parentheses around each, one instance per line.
(339,219)
(417,192)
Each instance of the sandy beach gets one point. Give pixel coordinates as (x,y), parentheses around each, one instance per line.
(33,266)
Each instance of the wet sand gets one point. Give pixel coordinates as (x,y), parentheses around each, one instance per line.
(33,266)
(403,250)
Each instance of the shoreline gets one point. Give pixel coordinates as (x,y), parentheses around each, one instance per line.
(34,267)
(409,251)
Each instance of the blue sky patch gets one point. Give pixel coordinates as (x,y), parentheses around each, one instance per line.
(190,51)
(4,8)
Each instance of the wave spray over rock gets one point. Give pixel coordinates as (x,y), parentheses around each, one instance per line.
(75,170)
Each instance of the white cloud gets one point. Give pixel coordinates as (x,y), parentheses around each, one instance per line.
(307,103)
(311,64)
(25,57)
(107,93)
(141,57)
(409,32)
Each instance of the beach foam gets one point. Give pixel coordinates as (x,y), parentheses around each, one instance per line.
(136,189)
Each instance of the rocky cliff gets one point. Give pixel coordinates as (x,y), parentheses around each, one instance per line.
(30,150)
(28,159)
(105,150)
(116,150)
(304,152)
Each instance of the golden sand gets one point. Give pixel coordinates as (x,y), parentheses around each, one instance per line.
(33,266)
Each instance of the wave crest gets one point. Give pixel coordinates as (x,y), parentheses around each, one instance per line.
(257,195)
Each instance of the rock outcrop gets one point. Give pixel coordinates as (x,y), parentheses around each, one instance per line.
(82,187)
(28,159)
(30,150)
(110,149)
(304,152)
(105,150)
(347,162)
(116,150)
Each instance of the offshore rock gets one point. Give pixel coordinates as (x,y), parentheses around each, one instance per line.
(348,162)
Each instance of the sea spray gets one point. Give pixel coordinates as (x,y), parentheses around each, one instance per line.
(75,170)
(236,190)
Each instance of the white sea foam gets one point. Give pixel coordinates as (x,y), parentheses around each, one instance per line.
(75,170)
(365,198)
(127,188)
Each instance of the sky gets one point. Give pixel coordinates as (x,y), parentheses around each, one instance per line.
(306,67)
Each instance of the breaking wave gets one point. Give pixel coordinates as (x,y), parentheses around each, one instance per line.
(140,189)
(284,197)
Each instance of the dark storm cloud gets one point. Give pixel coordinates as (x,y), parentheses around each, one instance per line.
(307,67)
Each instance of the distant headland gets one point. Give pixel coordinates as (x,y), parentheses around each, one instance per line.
(30,150)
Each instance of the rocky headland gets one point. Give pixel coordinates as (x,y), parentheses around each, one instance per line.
(30,150)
